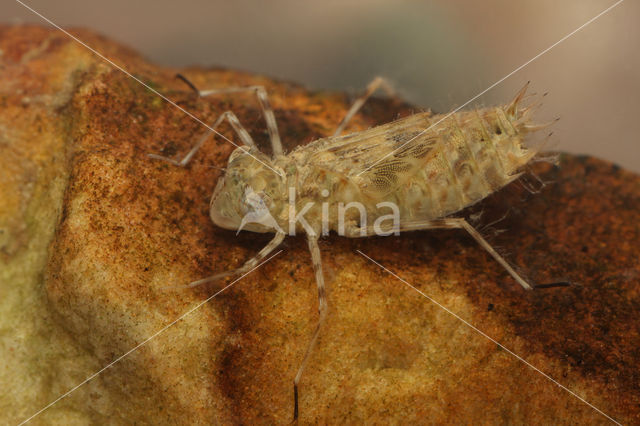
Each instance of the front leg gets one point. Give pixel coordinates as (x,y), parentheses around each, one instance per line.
(263,100)
(322,314)
(247,266)
(235,124)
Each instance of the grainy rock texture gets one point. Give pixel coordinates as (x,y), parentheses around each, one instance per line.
(91,230)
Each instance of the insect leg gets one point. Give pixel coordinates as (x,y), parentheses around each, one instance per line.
(235,123)
(450,223)
(376,83)
(322,314)
(271,246)
(267,111)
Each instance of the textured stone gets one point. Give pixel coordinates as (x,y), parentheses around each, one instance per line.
(92,230)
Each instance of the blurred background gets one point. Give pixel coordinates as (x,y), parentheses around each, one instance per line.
(437,54)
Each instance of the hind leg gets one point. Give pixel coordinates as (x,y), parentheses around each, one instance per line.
(450,223)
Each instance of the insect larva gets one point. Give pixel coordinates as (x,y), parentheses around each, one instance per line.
(410,174)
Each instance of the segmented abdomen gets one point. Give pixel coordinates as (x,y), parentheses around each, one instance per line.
(478,153)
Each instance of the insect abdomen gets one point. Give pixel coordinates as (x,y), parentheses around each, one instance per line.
(479,152)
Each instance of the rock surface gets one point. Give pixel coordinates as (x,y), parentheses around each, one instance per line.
(92,230)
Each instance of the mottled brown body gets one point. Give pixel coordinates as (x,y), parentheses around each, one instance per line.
(429,166)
